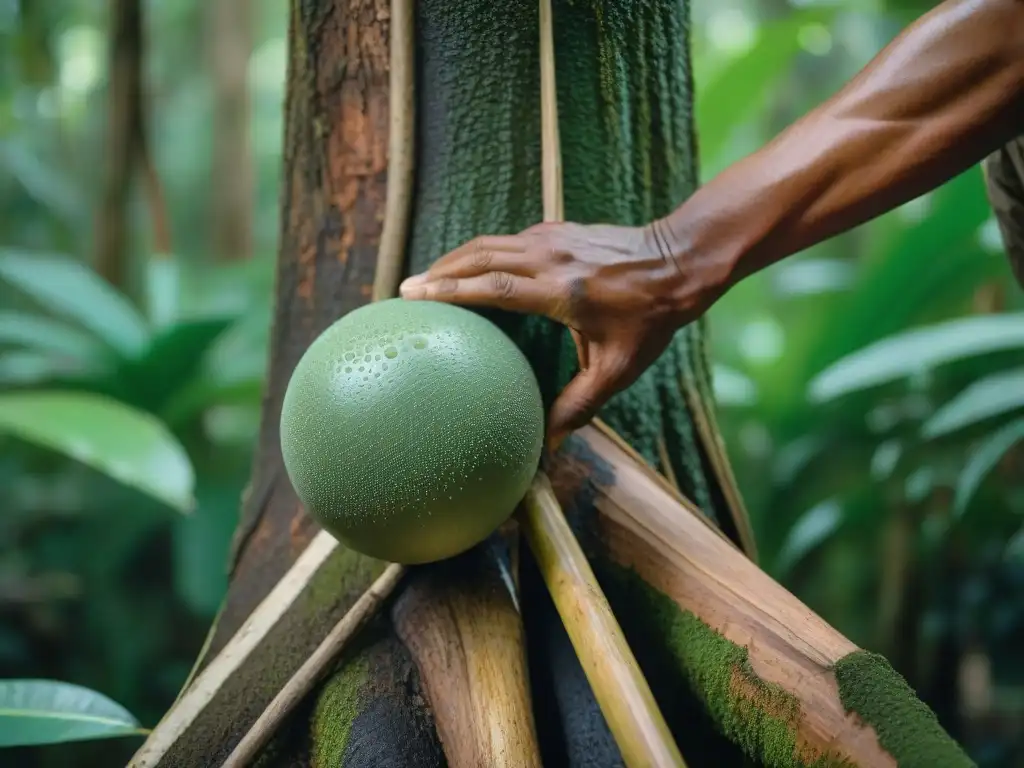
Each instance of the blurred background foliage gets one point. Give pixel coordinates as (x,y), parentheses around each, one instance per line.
(871,389)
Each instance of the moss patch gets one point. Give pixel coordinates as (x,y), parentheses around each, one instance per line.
(336,709)
(759,717)
(906,727)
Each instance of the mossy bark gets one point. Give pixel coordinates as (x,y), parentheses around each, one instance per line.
(625,98)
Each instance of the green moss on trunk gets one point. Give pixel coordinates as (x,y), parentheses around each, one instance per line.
(759,717)
(906,727)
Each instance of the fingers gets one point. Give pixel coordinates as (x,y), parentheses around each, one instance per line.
(582,354)
(493,289)
(586,394)
(477,257)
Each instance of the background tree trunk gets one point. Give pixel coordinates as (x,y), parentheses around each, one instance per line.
(228,46)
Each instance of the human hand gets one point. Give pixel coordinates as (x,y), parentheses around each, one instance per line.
(618,289)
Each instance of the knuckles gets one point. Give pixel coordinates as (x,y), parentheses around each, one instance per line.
(503,284)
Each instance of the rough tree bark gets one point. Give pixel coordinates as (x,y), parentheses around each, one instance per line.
(442,673)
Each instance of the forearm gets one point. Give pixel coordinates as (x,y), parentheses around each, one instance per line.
(945,93)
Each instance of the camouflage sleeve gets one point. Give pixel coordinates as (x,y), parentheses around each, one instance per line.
(1004,182)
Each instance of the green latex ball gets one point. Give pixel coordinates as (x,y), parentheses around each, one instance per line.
(412,429)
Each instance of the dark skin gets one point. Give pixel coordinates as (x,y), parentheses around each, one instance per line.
(944,94)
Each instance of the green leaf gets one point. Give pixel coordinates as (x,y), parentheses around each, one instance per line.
(34,712)
(130,446)
(204,393)
(738,90)
(911,272)
(43,183)
(991,396)
(172,361)
(812,529)
(43,334)
(22,367)
(916,351)
(982,461)
(72,290)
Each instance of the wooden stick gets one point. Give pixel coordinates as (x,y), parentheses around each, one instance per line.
(459,622)
(401,161)
(310,672)
(619,686)
(550,143)
(191,704)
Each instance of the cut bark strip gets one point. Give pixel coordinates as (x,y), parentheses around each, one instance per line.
(211,681)
(622,693)
(461,626)
(312,670)
(401,162)
(649,544)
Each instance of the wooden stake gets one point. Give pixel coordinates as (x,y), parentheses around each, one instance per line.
(310,672)
(459,622)
(401,161)
(619,686)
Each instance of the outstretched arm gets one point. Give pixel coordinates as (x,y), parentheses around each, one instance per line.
(945,93)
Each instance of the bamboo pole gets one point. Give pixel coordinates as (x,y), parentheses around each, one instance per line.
(619,686)
(625,699)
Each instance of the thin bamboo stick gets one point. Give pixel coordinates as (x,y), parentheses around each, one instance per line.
(312,669)
(619,686)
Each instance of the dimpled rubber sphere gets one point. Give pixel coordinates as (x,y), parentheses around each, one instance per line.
(412,429)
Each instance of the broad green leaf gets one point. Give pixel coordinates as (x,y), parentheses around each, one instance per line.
(22,367)
(130,446)
(44,334)
(809,532)
(917,351)
(72,290)
(981,462)
(174,358)
(1014,550)
(991,396)
(737,91)
(43,183)
(204,393)
(911,273)
(34,712)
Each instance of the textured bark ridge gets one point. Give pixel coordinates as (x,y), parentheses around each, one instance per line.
(628,155)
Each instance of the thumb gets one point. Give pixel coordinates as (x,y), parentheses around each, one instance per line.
(584,396)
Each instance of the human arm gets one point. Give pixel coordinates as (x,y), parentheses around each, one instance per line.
(945,93)
(942,95)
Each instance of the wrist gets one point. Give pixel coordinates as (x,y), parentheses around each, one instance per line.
(712,240)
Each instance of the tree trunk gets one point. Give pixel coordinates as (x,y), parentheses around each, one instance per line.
(228,45)
(441,675)
(112,255)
